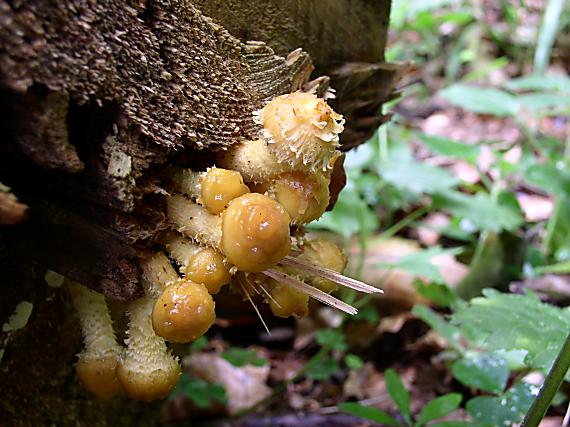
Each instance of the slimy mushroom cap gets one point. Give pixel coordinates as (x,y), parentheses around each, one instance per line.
(183,312)
(286,301)
(255,232)
(207,267)
(219,187)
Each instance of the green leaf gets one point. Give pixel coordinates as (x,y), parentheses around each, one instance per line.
(558,83)
(417,177)
(322,368)
(450,148)
(517,322)
(420,263)
(203,394)
(200,344)
(439,293)
(353,361)
(399,394)
(241,356)
(535,102)
(549,178)
(351,215)
(559,268)
(368,413)
(332,339)
(368,313)
(481,100)
(487,372)
(505,410)
(439,408)
(481,209)
(451,333)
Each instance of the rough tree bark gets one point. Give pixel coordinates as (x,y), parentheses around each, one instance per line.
(97,97)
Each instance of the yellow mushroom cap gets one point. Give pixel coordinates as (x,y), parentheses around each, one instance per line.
(183,312)
(219,187)
(302,130)
(207,267)
(255,232)
(304,196)
(98,375)
(286,301)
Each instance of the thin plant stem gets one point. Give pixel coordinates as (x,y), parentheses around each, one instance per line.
(551,384)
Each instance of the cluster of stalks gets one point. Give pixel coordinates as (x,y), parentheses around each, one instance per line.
(239,223)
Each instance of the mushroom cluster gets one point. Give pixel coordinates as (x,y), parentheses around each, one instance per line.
(238,223)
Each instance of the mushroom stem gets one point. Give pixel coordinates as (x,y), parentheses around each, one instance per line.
(179,247)
(194,221)
(98,361)
(254,160)
(146,369)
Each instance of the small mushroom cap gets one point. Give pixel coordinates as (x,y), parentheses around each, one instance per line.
(304,196)
(183,312)
(149,385)
(302,130)
(255,232)
(220,187)
(286,301)
(98,375)
(324,253)
(207,267)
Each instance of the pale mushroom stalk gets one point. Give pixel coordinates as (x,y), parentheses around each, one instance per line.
(147,369)
(96,366)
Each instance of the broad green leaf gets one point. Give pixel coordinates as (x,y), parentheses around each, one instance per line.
(203,394)
(450,148)
(558,83)
(535,102)
(353,361)
(331,338)
(242,356)
(322,368)
(420,263)
(417,177)
(505,410)
(487,372)
(517,322)
(481,100)
(559,268)
(200,344)
(439,293)
(448,331)
(549,178)
(439,408)
(486,213)
(399,394)
(351,215)
(368,413)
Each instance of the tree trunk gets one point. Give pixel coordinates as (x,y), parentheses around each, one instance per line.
(98,97)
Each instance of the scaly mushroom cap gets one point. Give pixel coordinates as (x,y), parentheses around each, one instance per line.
(304,196)
(324,254)
(255,232)
(183,312)
(286,301)
(302,130)
(219,187)
(207,267)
